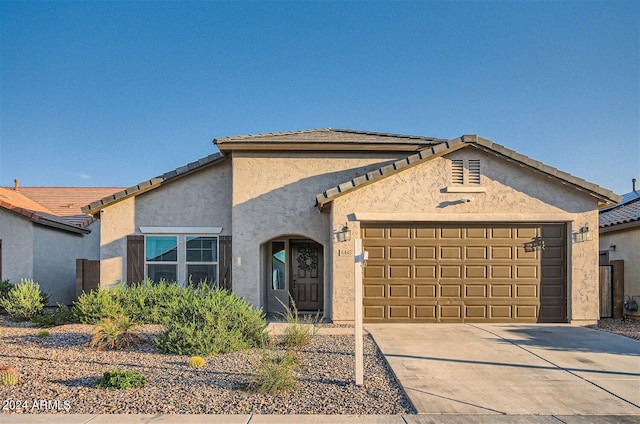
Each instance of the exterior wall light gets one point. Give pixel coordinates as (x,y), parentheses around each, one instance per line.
(583,234)
(344,234)
(612,248)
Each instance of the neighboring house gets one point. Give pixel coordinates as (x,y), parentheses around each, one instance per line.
(42,233)
(461,230)
(620,240)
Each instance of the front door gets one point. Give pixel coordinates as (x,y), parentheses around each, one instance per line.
(306,287)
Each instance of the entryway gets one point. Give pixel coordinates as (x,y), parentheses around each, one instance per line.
(294,273)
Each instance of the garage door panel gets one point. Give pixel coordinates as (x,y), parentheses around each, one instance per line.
(447,290)
(501,271)
(374,291)
(451,271)
(374,271)
(400,271)
(475,271)
(425,271)
(399,291)
(466,272)
(424,290)
(475,291)
(399,252)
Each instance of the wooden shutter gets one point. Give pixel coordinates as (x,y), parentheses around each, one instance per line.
(135,259)
(224,262)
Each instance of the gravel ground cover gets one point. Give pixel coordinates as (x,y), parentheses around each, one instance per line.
(629,327)
(58,375)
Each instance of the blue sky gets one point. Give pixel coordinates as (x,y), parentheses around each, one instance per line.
(113,93)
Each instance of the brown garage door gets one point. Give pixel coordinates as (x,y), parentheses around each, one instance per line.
(465,273)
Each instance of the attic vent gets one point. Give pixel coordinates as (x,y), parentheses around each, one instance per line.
(457,171)
(474,171)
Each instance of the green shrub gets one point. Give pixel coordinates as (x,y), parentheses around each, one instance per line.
(149,302)
(276,373)
(118,332)
(299,331)
(121,379)
(61,315)
(43,333)
(24,301)
(208,321)
(96,305)
(196,362)
(5,286)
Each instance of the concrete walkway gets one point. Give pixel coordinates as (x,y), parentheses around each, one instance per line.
(558,370)
(315,419)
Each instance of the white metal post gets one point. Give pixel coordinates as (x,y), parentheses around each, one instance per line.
(359,333)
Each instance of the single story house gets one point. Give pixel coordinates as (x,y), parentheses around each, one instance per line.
(620,241)
(42,233)
(461,230)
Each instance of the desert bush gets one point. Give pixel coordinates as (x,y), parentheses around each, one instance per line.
(121,379)
(299,331)
(8,376)
(196,362)
(114,333)
(208,321)
(96,305)
(5,286)
(276,373)
(43,333)
(24,300)
(60,315)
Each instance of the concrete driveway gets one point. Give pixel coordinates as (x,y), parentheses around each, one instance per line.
(513,369)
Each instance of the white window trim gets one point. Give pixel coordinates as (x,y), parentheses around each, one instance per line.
(203,231)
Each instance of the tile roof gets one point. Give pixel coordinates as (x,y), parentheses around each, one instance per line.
(94,207)
(58,207)
(323,136)
(604,195)
(625,212)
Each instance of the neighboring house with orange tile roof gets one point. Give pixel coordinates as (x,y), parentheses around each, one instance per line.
(461,230)
(620,240)
(42,233)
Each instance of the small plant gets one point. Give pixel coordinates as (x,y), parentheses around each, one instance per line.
(275,373)
(196,362)
(62,314)
(8,376)
(299,331)
(118,332)
(24,300)
(43,333)
(121,379)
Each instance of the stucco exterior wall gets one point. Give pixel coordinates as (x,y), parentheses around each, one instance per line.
(55,253)
(117,222)
(274,195)
(513,194)
(202,199)
(627,244)
(16,233)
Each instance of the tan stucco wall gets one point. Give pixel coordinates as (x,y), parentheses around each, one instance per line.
(512,194)
(55,253)
(627,249)
(202,199)
(16,233)
(273,195)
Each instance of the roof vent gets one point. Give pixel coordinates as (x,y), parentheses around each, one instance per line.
(633,182)
(16,184)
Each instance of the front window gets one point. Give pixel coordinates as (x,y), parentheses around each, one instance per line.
(202,255)
(181,258)
(162,257)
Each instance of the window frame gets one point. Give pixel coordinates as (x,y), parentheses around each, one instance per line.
(181,234)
